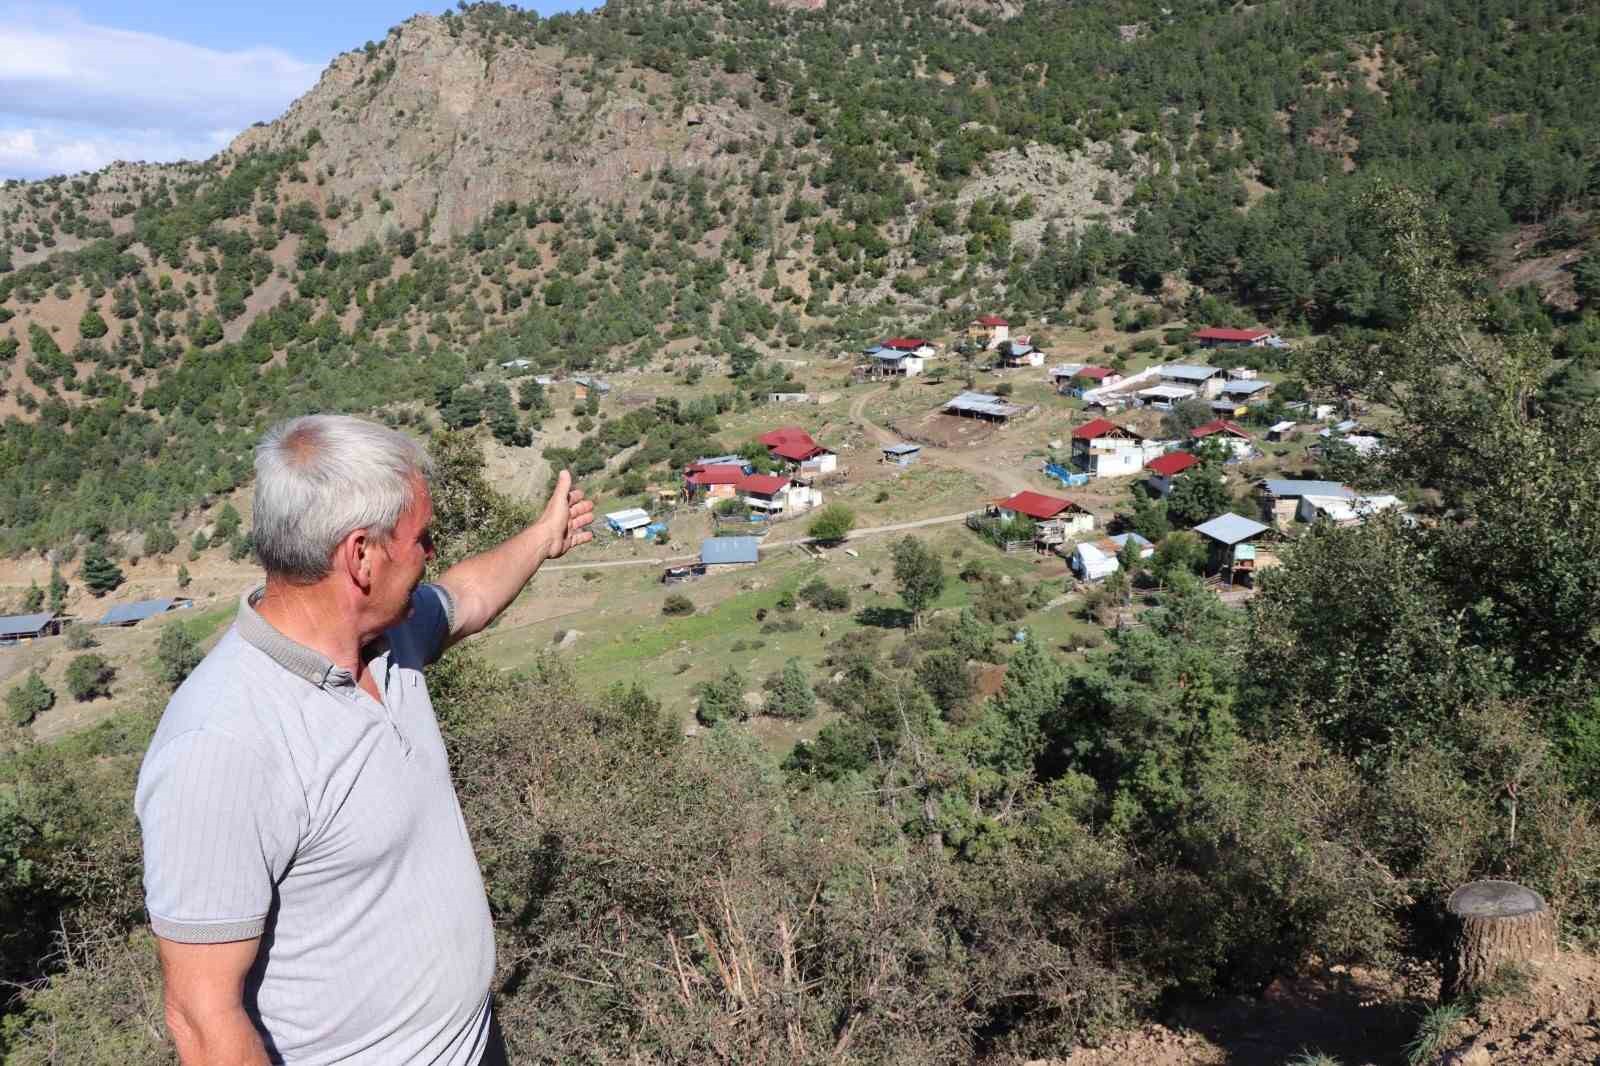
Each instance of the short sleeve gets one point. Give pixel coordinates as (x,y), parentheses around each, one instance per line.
(423,635)
(220,828)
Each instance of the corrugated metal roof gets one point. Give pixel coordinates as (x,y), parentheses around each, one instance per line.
(127,613)
(901,449)
(722,550)
(1034,504)
(1171,464)
(1230,528)
(1279,487)
(630,518)
(1167,392)
(1242,387)
(1189,372)
(983,403)
(25,623)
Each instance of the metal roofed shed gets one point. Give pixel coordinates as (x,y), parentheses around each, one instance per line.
(1188,372)
(902,454)
(1287,489)
(730,551)
(131,614)
(17,627)
(628,521)
(982,405)
(1169,393)
(1242,387)
(1230,528)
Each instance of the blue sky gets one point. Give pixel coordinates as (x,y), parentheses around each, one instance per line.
(85,84)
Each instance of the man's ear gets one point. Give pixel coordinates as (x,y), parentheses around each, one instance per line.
(354,558)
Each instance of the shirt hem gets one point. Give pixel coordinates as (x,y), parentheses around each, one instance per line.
(219,932)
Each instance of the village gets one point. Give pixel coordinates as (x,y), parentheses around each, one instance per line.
(1028,475)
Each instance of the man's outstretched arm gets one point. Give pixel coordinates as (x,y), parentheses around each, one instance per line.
(485,584)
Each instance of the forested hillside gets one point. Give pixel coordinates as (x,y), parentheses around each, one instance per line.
(721,185)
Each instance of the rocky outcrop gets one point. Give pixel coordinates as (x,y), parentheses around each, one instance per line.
(432,129)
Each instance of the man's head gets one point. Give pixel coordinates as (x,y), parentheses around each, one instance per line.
(339,497)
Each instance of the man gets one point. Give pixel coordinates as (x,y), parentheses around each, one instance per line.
(307,868)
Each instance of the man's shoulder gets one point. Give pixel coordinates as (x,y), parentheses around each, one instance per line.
(224,694)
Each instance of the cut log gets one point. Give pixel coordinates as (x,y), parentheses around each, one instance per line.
(1496,923)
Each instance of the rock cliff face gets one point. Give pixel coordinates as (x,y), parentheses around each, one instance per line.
(430,130)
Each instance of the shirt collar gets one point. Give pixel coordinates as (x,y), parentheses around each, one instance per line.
(299,660)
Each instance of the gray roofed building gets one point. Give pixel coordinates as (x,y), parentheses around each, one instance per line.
(28,626)
(129,614)
(722,551)
(1290,489)
(984,404)
(1230,528)
(1241,387)
(1188,372)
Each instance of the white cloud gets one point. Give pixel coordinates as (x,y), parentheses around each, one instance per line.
(75,95)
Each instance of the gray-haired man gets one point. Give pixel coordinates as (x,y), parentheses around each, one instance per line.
(307,868)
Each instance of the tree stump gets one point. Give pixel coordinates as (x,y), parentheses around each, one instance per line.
(1496,922)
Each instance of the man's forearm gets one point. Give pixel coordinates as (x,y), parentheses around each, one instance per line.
(485,584)
(226,1038)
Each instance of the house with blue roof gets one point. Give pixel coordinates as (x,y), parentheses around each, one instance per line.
(131,614)
(1230,539)
(21,628)
(730,551)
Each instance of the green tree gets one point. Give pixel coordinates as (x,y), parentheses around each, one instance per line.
(89,676)
(919,575)
(227,523)
(722,699)
(33,599)
(100,575)
(789,693)
(947,678)
(29,699)
(833,523)
(177,654)
(91,326)
(208,332)
(58,589)
(1198,496)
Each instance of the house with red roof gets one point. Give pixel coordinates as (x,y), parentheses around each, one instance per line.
(1056,518)
(713,481)
(803,455)
(1164,470)
(1237,438)
(1075,379)
(916,346)
(989,330)
(1102,448)
(1220,337)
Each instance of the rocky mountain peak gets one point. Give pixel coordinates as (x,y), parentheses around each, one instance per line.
(437,124)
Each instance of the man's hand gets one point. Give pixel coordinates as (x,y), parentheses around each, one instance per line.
(484,585)
(566,518)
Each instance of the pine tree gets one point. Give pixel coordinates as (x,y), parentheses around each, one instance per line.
(919,575)
(789,693)
(100,575)
(33,599)
(58,589)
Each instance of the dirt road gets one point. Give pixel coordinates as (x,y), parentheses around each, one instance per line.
(1006,476)
(855,534)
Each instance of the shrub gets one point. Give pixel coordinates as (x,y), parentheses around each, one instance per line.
(825,597)
(80,637)
(677,604)
(833,523)
(789,693)
(89,676)
(29,699)
(177,654)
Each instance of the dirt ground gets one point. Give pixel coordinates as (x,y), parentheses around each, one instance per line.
(1363,1017)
